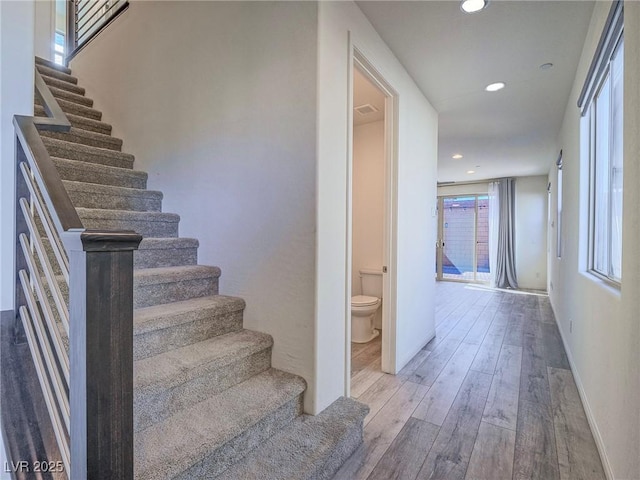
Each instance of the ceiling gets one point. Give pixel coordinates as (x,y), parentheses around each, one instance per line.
(452,56)
(366,93)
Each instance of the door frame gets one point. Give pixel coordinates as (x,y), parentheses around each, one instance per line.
(389,288)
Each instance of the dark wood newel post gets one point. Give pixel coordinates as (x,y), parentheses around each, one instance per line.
(101,393)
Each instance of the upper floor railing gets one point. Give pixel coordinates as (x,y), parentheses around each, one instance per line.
(85,19)
(74,304)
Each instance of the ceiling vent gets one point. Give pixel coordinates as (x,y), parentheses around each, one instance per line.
(366,109)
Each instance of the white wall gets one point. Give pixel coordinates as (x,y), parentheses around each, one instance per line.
(218,103)
(16,97)
(603,342)
(531,232)
(367,200)
(45,28)
(416,195)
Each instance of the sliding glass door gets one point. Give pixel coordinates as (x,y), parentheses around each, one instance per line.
(462,252)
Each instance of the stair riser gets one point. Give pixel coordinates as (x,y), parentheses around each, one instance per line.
(200,329)
(170,257)
(76,109)
(51,72)
(48,63)
(85,139)
(66,150)
(154,407)
(61,84)
(153,229)
(141,203)
(71,97)
(84,172)
(82,123)
(220,459)
(159,294)
(342,450)
(162,293)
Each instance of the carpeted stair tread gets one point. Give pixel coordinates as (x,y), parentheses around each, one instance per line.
(159,317)
(56,73)
(206,438)
(166,252)
(312,447)
(156,286)
(82,123)
(177,366)
(147,224)
(147,276)
(76,109)
(48,63)
(161,328)
(71,97)
(92,195)
(86,153)
(174,380)
(85,137)
(81,171)
(62,85)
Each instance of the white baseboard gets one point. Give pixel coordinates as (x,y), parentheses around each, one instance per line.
(606,465)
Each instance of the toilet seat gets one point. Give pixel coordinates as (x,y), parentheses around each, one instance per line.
(363,301)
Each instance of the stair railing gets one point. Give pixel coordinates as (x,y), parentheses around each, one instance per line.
(74,304)
(86,18)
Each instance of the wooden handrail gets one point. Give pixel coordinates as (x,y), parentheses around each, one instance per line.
(58,202)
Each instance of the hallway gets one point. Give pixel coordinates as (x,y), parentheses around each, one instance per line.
(491,397)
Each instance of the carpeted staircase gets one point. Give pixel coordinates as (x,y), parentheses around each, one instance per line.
(207,403)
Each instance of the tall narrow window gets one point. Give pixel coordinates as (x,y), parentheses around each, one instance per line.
(602,102)
(559,211)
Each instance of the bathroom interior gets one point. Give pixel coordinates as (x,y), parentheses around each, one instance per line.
(368,206)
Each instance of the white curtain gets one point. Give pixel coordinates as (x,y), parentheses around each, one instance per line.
(494,216)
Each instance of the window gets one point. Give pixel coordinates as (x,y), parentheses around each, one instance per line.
(59,48)
(602,104)
(559,212)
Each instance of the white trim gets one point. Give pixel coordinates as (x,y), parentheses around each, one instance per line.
(597,436)
(349,218)
(389,361)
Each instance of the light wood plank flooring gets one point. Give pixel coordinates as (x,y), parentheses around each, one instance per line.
(491,397)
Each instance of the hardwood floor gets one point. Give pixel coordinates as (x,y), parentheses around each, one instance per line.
(491,397)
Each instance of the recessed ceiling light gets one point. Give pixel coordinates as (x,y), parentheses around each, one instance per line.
(471,171)
(457,156)
(546,66)
(473,6)
(494,87)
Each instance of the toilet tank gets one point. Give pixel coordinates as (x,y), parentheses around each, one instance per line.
(371,280)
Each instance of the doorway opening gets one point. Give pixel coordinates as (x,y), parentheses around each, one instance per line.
(371,223)
(462,251)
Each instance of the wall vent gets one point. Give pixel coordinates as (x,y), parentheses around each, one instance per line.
(366,109)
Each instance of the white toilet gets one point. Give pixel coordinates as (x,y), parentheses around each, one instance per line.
(365,307)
